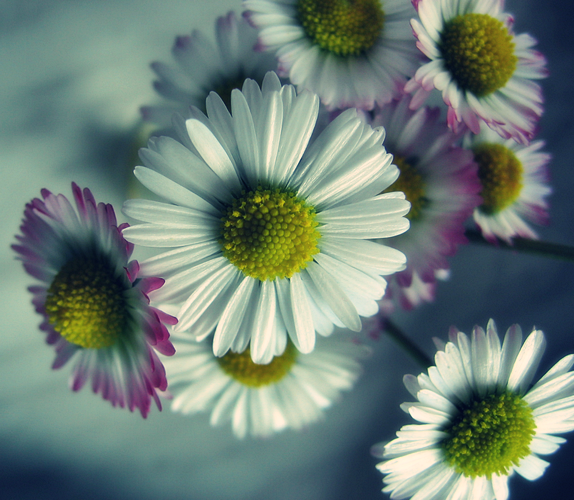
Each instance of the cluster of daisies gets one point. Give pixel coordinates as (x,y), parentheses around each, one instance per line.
(302,184)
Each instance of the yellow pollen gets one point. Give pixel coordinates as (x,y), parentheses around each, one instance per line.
(269,233)
(241,368)
(490,436)
(478,51)
(85,303)
(500,173)
(343,27)
(412,184)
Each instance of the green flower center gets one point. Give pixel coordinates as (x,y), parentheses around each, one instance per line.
(478,52)
(490,436)
(85,303)
(269,233)
(241,368)
(343,27)
(412,184)
(500,174)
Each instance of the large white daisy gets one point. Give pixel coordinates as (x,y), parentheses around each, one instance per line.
(271,233)
(352,54)
(292,391)
(484,71)
(202,68)
(515,186)
(480,421)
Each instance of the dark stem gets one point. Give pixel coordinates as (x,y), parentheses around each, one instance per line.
(395,333)
(535,247)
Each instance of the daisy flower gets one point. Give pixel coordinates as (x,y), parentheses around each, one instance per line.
(479,420)
(202,68)
(95,308)
(271,233)
(484,71)
(440,182)
(352,54)
(292,391)
(514,182)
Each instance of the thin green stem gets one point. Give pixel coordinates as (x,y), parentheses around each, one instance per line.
(399,337)
(534,247)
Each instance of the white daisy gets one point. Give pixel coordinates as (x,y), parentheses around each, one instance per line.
(514,186)
(290,392)
(352,54)
(482,68)
(479,420)
(271,233)
(202,68)
(440,181)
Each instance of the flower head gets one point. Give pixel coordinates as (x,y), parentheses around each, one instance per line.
(271,232)
(514,181)
(291,391)
(202,68)
(95,307)
(352,54)
(440,181)
(484,71)
(480,421)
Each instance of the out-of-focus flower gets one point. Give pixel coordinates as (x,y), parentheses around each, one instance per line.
(95,307)
(514,185)
(441,183)
(292,391)
(479,419)
(271,232)
(484,71)
(352,54)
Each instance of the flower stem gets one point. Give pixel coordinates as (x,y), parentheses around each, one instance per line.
(535,247)
(395,333)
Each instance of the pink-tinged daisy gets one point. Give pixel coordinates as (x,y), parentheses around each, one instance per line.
(514,182)
(352,54)
(271,232)
(95,308)
(202,68)
(484,71)
(292,391)
(440,181)
(480,421)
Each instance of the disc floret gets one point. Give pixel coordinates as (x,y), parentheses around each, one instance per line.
(241,367)
(490,436)
(343,27)
(478,51)
(501,175)
(411,183)
(269,233)
(85,303)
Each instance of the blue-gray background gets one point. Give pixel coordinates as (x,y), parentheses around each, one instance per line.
(72,76)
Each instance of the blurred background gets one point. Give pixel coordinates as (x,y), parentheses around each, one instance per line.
(73,75)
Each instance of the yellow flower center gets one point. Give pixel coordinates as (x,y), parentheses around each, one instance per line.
(85,303)
(343,27)
(490,436)
(412,184)
(478,51)
(500,174)
(241,367)
(269,233)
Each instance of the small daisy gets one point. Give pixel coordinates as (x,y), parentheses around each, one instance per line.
(202,68)
(514,182)
(482,68)
(479,420)
(290,392)
(441,183)
(94,305)
(352,54)
(271,233)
